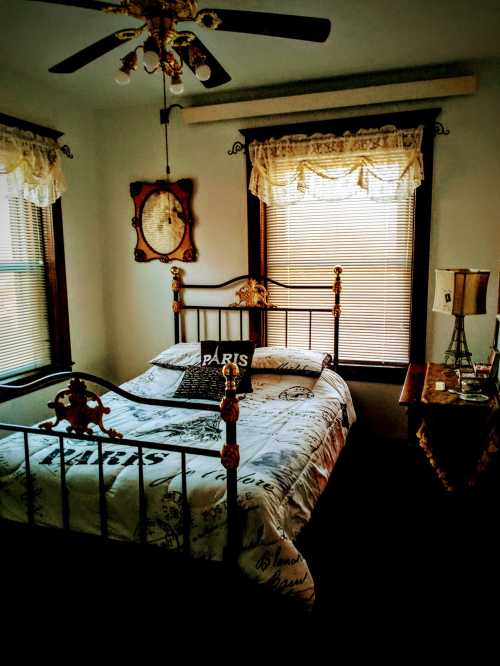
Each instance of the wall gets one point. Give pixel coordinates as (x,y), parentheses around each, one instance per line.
(466,206)
(138,296)
(25,99)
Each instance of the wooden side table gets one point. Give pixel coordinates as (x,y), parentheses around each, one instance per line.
(458,437)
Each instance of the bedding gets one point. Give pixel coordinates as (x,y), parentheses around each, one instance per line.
(203,383)
(179,356)
(290,431)
(215,353)
(289,360)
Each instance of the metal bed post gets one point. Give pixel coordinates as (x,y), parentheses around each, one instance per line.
(337,288)
(29,482)
(230,458)
(177,300)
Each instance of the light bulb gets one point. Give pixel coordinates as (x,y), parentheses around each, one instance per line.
(151,61)
(203,72)
(176,86)
(122,78)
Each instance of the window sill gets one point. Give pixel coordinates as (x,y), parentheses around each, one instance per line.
(28,377)
(382,374)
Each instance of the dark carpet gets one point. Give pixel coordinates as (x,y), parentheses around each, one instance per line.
(389,549)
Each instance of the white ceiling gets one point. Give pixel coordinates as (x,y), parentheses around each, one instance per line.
(367,36)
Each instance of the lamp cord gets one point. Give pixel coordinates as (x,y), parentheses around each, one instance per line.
(164,119)
(167,167)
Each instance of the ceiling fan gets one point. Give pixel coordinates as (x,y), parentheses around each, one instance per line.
(166,48)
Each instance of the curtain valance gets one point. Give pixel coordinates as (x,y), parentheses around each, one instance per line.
(384,163)
(32,165)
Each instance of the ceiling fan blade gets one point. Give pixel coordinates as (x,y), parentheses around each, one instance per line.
(218,76)
(85,4)
(308,28)
(94,51)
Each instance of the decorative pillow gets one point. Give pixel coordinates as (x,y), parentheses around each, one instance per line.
(218,353)
(178,356)
(206,383)
(289,361)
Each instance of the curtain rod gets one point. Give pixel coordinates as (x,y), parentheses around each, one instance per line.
(10,121)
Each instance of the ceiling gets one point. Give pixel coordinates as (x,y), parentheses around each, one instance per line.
(366,36)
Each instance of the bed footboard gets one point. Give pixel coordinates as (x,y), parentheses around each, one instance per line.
(83,409)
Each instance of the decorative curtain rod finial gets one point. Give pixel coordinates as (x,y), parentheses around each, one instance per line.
(439,128)
(237,147)
(66,150)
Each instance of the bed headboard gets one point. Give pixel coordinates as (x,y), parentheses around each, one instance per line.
(254,299)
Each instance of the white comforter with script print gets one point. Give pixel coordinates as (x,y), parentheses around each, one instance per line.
(290,431)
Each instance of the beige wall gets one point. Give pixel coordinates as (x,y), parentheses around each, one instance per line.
(83,240)
(465,221)
(466,206)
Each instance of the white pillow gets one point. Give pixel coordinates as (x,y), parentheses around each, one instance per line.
(181,354)
(290,360)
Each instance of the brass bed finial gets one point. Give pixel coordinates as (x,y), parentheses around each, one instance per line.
(229,406)
(337,288)
(230,411)
(176,288)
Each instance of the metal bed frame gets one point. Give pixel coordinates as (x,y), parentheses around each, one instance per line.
(73,404)
(257,313)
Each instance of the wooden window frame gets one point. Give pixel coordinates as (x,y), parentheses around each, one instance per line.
(56,292)
(421,240)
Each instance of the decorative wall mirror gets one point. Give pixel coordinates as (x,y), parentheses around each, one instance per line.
(163,220)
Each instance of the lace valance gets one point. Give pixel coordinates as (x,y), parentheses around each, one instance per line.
(386,164)
(32,165)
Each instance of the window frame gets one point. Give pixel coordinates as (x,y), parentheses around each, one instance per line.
(393,374)
(56,286)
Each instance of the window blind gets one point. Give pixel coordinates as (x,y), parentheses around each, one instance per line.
(373,242)
(24,324)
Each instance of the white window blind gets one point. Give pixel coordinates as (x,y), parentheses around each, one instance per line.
(372,241)
(24,326)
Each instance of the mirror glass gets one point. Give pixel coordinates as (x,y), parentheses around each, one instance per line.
(163,222)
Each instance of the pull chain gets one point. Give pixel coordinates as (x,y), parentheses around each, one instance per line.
(165,122)
(164,119)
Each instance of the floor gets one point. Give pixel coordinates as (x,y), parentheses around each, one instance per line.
(387,541)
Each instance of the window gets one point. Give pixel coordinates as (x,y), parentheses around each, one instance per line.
(34,331)
(382,246)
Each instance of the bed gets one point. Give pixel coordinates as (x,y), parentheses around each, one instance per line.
(152,473)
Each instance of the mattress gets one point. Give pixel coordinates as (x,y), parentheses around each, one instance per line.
(291,431)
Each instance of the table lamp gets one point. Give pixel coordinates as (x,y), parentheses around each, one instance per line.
(460,292)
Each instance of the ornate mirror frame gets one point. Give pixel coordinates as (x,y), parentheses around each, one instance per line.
(181,192)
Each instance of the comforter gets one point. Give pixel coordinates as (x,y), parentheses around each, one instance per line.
(290,431)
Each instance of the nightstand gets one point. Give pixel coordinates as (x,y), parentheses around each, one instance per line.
(458,437)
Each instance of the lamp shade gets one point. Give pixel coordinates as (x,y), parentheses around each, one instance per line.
(460,291)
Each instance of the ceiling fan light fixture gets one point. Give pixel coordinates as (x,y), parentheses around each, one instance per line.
(176,86)
(151,61)
(129,64)
(151,55)
(203,72)
(122,78)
